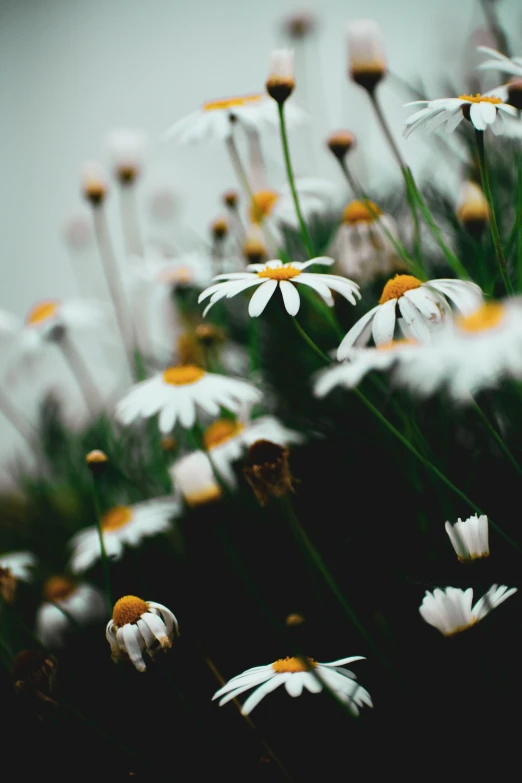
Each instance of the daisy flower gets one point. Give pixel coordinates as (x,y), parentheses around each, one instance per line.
(193,480)
(122,526)
(277,207)
(359,362)
(366,54)
(295,675)
(422,306)
(227,440)
(126,151)
(450,610)
(469,539)
(274,274)
(475,352)
(179,393)
(499,62)
(67,603)
(20,564)
(483,111)
(215,120)
(361,247)
(139,626)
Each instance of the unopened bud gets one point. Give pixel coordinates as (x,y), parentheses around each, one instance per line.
(254,248)
(281,81)
(219,228)
(94,186)
(126,148)
(96,461)
(230,199)
(340,143)
(473,209)
(366,55)
(267,471)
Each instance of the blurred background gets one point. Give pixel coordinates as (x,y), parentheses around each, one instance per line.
(71,71)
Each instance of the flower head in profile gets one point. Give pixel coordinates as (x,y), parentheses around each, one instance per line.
(418,308)
(178,394)
(361,245)
(193,480)
(296,675)
(367,64)
(122,526)
(20,564)
(281,79)
(477,351)
(274,274)
(67,604)
(450,611)
(470,538)
(483,111)
(473,208)
(126,150)
(139,626)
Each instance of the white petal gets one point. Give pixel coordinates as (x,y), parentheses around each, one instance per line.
(476,117)
(355,332)
(383,326)
(294,684)
(132,647)
(254,699)
(414,320)
(290,297)
(261,298)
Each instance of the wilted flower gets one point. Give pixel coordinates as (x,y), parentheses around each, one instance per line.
(139,626)
(267,471)
(66,604)
(340,143)
(469,539)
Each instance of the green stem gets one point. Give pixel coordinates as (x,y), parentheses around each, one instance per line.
(104,558)
(308,340)
(497,438)
(286,151)
(486,187)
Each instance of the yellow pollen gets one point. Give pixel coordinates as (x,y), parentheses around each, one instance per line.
(478,98)
(489,315)
(286,272)
(397,287)
(361,212)
(116,517)
(262,205)
(41,312)
(58,588)
(128,610)
(231,103)
(221,431)
(292,665)
(183,375)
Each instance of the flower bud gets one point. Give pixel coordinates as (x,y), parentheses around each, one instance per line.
(96,461)
(299,25)
(340,143)
(267,471)
(230,199)
(94,186)
(125,148)
(281,82)
(219,229)
(366,55)
(473,209)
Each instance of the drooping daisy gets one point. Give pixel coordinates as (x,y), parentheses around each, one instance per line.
(226,441)
(20,564)
(194,481)
(274,274)
(361,247)
(499,62)
(422,307)
(179,393)
(475,352)
(359,362)
(139,626)
(122,526)
(67,603)
(469,539)
(483,111)
(215,120)
(451,611)
(295,675)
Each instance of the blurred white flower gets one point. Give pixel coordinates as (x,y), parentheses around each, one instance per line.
(366,54)
(67,603)
(193,479)
(126,151)
(139,626)
(499,62)
(295,675)
(20,564)
(472,207)
(275,207)
(450,611)
(469,539)
(483,111)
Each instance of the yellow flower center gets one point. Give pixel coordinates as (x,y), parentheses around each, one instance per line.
(41,312)
(221,431)
(128,610)
(286,272)
(397,287)
(478,98)
(292,665)
(183,375)
(116,517)
(231,103)
(58,588)
(393,344)
(262,205)
(361,212)
(489,315)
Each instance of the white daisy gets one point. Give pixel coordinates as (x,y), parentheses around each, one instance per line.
(20,564)
(499,62)
(67,604)
(295,675)
(274,274)
(215,120)
(275,208)
(179,393)
(469,539)
(126,151)
(423,308)
(475,352)
(226,441)
(193,479)
(450,610)
(361,246)
(122,526)
(483,111)
(139,626)
(359,362)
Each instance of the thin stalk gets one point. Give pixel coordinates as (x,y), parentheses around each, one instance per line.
(104,557)
(12,415)
(308,340)
(517,225)
(486,187)
(291,181)
(496,437)
(85,383)
(129,220)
